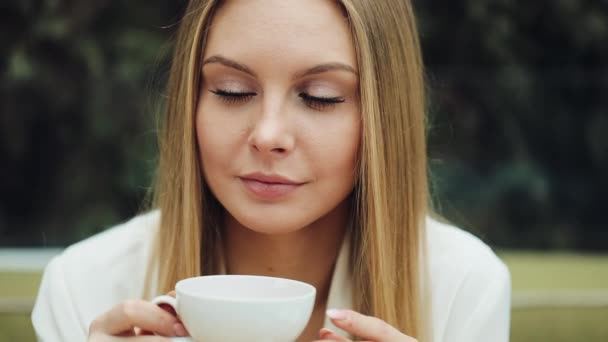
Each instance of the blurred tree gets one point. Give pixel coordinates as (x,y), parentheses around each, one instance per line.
(77,136)
(517,100)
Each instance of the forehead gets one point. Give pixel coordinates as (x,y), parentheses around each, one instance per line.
(281,30)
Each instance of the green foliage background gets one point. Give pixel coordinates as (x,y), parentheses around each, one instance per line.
(517,101)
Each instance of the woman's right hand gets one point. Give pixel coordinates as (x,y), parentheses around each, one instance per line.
(136,319)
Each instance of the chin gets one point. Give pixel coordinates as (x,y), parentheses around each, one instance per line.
(270,226)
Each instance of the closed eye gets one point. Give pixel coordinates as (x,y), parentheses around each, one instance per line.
(314,102)
(230,97)
(320,103)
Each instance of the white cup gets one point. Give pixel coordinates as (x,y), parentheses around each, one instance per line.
(242,308)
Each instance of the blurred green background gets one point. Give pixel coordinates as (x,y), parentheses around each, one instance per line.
(518,141)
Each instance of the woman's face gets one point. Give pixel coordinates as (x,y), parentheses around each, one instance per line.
(278,122)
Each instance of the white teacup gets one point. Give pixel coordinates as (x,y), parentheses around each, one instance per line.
(242,308)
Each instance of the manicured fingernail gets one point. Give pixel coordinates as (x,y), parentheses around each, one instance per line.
(337,314)
(179,329)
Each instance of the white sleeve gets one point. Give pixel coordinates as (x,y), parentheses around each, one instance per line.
(54,316)
(481,310)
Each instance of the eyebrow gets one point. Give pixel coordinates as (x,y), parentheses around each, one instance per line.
(229,63)
(317,69)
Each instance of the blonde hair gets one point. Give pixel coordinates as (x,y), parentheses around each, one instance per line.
(387,237)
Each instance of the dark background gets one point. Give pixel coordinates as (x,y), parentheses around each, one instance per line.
(518,101)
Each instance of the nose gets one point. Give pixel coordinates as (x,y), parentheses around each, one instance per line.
(271,136)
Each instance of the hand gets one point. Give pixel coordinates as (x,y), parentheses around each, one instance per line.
(136,318)
(368,328)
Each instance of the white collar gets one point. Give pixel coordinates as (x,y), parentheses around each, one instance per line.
(340,291)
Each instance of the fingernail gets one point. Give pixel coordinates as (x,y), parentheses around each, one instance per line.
(179,329)
(337,314)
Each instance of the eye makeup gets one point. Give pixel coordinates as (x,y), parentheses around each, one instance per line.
(230,97)
(314,92)
(320,103)
(313,102)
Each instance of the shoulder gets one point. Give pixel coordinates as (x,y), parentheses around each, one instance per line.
(114,246)
(455,255)
(456,249)
(91,276)
(471,286)
(117,254)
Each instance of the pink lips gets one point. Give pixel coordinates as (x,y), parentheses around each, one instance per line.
(269,186)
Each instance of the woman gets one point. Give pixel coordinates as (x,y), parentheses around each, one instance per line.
(293,146)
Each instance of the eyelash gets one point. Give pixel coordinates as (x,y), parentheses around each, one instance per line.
(230,97)
(320,103)
(314,102)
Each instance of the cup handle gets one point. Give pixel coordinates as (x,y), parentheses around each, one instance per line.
(164,299)
(171,301)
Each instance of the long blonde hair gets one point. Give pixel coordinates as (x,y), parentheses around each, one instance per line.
(387,237)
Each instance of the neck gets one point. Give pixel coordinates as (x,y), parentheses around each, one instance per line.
(308,254)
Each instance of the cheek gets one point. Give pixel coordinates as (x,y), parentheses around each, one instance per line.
(218,138)
(337,150)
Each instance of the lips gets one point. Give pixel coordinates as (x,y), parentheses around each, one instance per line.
(270,179)
(269,187)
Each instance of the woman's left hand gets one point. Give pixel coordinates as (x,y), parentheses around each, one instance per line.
(368,328)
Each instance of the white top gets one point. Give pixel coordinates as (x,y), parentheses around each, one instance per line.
(470,286)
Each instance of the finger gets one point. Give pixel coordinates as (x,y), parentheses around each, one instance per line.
(102,337)
(324,332)
(328,334)
(366,327)
(335,338)
(180,330)
(168,307)
(136,313)
(147,339)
